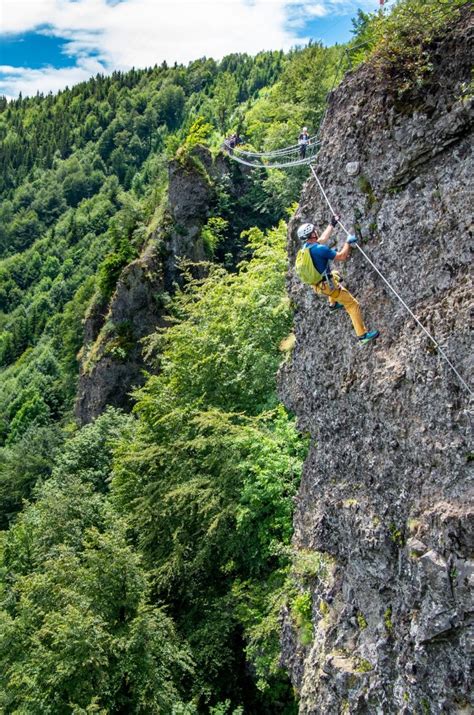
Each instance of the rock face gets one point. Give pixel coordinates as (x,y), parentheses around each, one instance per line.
(384,496)
(191,194)
(112,362)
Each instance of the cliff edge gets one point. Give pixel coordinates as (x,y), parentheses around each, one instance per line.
(112,362)
(385,495)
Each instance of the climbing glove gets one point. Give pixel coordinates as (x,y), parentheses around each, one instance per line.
(351,239)
(334,221)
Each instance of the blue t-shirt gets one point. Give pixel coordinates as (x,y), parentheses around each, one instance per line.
(321,255)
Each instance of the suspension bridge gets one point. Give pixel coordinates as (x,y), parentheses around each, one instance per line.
(295,155)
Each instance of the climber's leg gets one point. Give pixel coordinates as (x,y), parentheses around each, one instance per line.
(342,296)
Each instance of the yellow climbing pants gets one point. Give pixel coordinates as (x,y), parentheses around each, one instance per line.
(338,294)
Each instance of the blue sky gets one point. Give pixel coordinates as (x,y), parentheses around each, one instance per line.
(46,45)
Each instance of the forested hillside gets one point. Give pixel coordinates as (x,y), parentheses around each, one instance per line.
(180,517)
(145,551)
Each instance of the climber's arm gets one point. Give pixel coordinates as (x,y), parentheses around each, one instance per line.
(344,253)
(328,231)
(325,234)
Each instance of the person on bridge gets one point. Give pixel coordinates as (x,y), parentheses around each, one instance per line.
(327,282)
(232,142)
(303,141)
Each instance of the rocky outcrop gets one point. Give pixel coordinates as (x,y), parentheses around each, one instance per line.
(384,498)
(191,194)
(112,361)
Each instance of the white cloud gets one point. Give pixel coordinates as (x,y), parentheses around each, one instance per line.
(316,10)
(140,33)
(14,80)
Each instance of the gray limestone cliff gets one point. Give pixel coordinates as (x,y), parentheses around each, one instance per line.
(385,505)
(112,361)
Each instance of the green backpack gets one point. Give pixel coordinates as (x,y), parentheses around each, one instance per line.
(305,269)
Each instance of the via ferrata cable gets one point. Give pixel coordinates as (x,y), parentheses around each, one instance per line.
(435,342)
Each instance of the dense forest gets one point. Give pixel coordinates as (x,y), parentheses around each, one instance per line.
(145,557)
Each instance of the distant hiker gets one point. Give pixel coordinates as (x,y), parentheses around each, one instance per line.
(303,141)
(232,142)
(312,266)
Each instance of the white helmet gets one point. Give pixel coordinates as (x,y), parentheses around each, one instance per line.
(304,231)
(305,129)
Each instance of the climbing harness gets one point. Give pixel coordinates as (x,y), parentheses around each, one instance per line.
(389,285)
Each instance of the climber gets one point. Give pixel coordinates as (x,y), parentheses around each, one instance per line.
(303,141)
(327,282)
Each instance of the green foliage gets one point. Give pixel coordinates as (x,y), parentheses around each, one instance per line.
(71,620)
(33,412)
(30,393)
(366,187)
(278,193)
(324,608)
(230,324)
(387,619)
(123,342)
(71,330)
(208,479)
(425,706)
(127,234)
(258,606)
(399,40)
(78,627)
(396,535)
(224,100)
(301,609)
(23,464)
(209,495)
(306,81)
(198,135)
(170,102)
(213,233)
(224,500)
(364,666)
(88,454)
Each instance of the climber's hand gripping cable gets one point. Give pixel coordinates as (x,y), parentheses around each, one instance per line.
(329,229)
